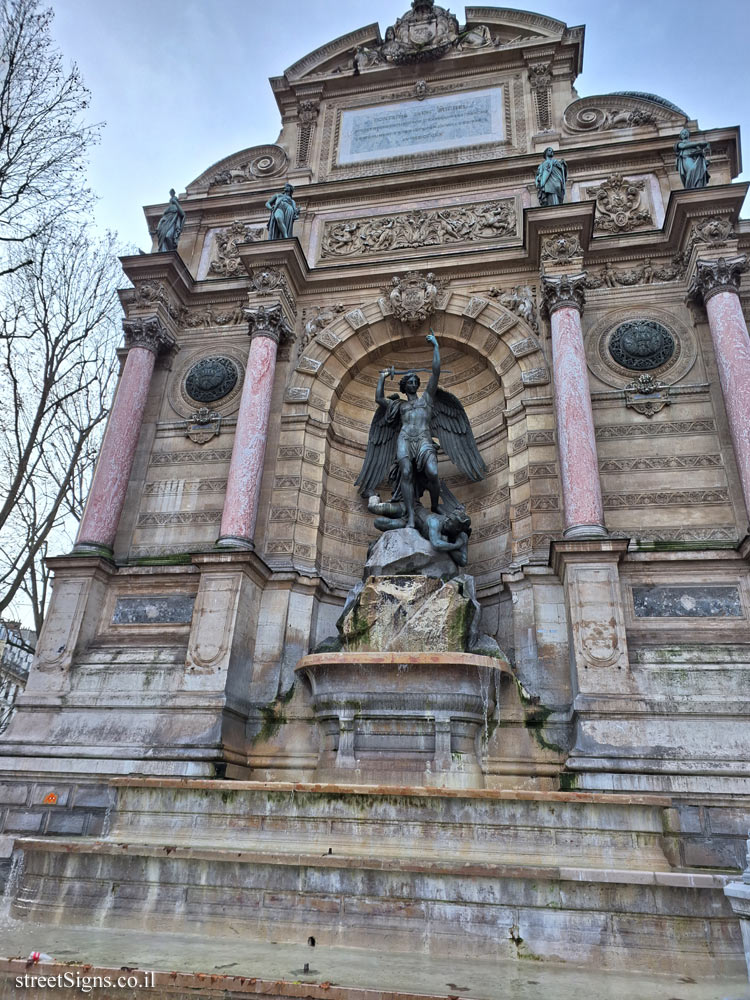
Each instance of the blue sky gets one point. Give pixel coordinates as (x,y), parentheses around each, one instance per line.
(183,83)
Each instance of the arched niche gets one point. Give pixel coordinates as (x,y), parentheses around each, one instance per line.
(492,361)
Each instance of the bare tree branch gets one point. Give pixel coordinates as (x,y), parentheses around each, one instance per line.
(58,306)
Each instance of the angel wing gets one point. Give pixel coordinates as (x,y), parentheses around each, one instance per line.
(451,425)
(381,448)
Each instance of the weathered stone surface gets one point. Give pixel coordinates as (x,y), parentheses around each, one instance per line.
(174,609)
(687,602)
(404,550)
(411,614)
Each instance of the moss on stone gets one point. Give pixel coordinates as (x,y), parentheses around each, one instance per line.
(568,781)
(682,546)
(535,718)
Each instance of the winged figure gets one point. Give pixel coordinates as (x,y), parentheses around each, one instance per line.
(401,443)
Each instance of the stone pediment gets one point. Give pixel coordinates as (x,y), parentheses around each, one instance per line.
(427,32)
(330,57)
(509,25)
(248,166)
(626,109)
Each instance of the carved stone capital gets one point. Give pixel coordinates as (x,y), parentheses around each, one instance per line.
(713,276)
(563,291)
(268,321)
(148,332)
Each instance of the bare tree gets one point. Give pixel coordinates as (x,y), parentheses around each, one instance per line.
(57,305)
(58,331)
(43,139)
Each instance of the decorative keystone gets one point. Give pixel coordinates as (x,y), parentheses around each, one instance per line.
(562,292)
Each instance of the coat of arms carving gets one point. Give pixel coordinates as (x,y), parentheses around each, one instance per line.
(413,298)
(425,32)
(202,425)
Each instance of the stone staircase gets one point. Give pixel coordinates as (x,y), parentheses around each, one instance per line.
(573,877)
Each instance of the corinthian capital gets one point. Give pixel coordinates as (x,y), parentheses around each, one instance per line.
(563,291)
(268,321)
(148,332)
(712,276)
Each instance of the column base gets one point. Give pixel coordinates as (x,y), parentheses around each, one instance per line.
(585,531)
(235,542)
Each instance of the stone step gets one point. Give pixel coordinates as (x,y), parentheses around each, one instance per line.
(185,967)
(607,918)
(477,826)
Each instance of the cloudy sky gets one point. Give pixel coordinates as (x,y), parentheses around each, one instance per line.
(183,83)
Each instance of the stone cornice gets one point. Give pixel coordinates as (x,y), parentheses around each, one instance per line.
(563,552)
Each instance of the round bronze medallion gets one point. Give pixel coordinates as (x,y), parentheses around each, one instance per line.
(211,379)
(641,345)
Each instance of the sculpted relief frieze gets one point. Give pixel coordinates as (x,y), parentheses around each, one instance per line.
(419,228)
(640,274)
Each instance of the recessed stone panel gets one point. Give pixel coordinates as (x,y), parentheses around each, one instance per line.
(687,602)
(175,609)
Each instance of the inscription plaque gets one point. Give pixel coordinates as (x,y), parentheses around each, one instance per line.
(687,602)
(410,127)
(175,609)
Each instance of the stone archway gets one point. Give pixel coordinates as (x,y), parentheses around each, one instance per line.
(494,363)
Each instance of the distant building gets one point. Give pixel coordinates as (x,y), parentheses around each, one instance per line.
(16,653)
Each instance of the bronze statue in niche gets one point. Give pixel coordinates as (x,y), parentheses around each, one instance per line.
(401,446)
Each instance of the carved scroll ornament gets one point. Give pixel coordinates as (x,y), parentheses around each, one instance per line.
(227,262)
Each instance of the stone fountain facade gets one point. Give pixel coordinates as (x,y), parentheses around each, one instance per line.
(594,771)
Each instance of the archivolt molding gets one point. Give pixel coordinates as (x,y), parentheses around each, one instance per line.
(509,345)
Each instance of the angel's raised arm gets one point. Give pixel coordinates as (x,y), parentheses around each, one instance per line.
(433,383)
(380,391)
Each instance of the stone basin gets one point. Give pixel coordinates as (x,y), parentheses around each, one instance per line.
(394,716)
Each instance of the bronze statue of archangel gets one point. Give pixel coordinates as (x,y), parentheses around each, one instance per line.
(401,446)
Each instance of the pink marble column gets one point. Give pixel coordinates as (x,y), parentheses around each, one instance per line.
(576,441)
(246,467)
(717,283)
(145,339)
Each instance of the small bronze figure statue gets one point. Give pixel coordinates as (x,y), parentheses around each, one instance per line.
(401,446)
(169,226)
(691,161)
(284,211)
(551,177)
